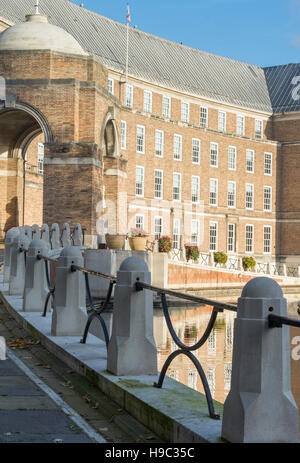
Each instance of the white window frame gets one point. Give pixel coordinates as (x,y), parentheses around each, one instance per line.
(159,144)
(270,164)
(247,190)
(268,188)
(123,135)
(196,150)
(249,151)
(258,134)
(142,182)
(161,184)
(231,238)
(128,95)
(166,108)
(240,127)
(232,206)
(41,157)
(196,179)
(158,220)
(251,226)
(178,176)
(195,231)
(176,233)
(232,149)
(222,121)
(203,122)
(140,144)
(215,182)
(177,150)
(185,111)
(214,157)
(140,218)
(147,101)
(110,85)
(269,239)
(215,225)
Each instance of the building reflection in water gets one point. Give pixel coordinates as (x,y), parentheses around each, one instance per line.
(215,356)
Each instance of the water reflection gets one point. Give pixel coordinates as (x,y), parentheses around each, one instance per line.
(215,356)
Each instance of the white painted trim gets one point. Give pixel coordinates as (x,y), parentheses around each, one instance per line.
(73,161)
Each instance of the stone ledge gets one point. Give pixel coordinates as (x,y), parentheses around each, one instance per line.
(176,413)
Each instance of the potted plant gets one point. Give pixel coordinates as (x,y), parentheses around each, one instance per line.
(115,241)
(220,257)
(248,263)
(192,251)
(164,244)
(138,239)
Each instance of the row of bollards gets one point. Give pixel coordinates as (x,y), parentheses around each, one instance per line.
(260,406)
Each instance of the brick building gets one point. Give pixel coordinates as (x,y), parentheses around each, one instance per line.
(193,145)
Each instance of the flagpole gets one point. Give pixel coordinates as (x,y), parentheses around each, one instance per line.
(127,52)
(127,43)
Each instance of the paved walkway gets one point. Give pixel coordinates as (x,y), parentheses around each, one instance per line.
(27,414)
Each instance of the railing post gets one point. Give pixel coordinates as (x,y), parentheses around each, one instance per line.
(45,234)
(17,267)
(66,235)
(28,232)
(36,234)
(132,348)
(10,235)
(260,406)
(69,311)
(36,287)
(55,236)
(77,235)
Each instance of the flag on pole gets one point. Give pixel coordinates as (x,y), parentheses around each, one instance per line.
(128,14)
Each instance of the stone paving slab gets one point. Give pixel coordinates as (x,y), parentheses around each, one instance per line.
(38,426)
(8,368)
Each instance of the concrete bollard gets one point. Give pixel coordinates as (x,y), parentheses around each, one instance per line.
(45,233)
(55,236)
(28,232)
(36,287)
(36,234)
(260,406)
(17,267)
(132,348)
(77,235)
(69,312)
(66,235)
(10,235)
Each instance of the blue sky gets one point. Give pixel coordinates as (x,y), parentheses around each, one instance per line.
(261,32)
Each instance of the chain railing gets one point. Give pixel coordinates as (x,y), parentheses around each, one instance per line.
(183,348)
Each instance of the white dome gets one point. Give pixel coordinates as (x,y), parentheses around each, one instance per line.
(37,34)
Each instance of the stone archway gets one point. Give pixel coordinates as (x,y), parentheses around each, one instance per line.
(20,128)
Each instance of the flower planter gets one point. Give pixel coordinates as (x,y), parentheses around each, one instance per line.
(115,241)
(137,243)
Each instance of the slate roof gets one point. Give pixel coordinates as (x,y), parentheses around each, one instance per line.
(167,63)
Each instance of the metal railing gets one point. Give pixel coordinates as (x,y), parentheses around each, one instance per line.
(183,348)
(96,311)
(50,287)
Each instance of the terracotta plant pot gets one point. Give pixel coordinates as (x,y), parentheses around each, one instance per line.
(137,243)
(115,241)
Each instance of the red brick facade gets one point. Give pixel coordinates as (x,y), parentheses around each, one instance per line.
(90,173)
